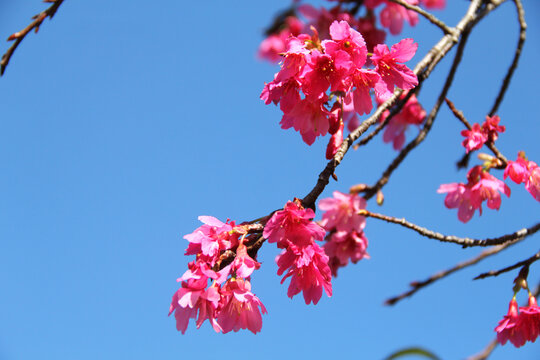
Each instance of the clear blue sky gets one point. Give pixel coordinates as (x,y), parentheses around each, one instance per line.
(122,122)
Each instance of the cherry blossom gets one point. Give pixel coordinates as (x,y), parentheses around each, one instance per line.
(293,225)
(346,239)
(529,319)
(474,138)
(307,266)
(525,171)
(434,4)
(239,308)
(468,197)
(387,64)
(412,113)
(520,327)
(393,15)
(508,328)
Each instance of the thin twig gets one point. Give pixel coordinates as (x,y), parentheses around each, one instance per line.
(528,261)
(458,114)
(417,285)
(517,55)
(34,25)
(393,112)
(430,17)
(463,241)
(486,352)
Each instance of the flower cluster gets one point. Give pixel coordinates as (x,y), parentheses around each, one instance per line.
(469,197)
(275,44)
(525,171)
(346,239)
(310,68)
(411,114)
(302,259)
(228,302)
(520,326)
(479,135)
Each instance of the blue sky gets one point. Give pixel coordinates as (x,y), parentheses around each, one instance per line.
(122,122)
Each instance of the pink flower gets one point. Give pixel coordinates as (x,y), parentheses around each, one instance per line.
(508,328)
(434,4)
(323,70)
(239,308)
(275,45)
(520,327)
(529,320)
(191,300)
(210,238)
(468,197)
(492,128)
(348,40)
(243,264)
(524,171)
(322,18)
(411,114)
(393,15)
(341,212)
(272,47)
(293,225)
(309,271)
(459,196)
(310,118)
(335,142)
(342,246)
(487,187)
(386,64)
(364,81)
(474,138)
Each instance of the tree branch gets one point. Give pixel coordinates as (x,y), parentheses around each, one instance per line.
(427,126)
(517,55)
(422,69)
(527,262)
(417,285)
(463,241)
(34,25)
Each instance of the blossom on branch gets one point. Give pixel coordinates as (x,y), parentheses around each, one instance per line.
(412,113)
(468,197)
(393,15)
(525,171)
(302,260)
(521,326)
(315,73)
(346,239)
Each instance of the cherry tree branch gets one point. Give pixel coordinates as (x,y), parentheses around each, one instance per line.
(463,241)
(517,55)
(525,262)
(422,69)
(34,25)
(417,285)
(383,180)
(430,17)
